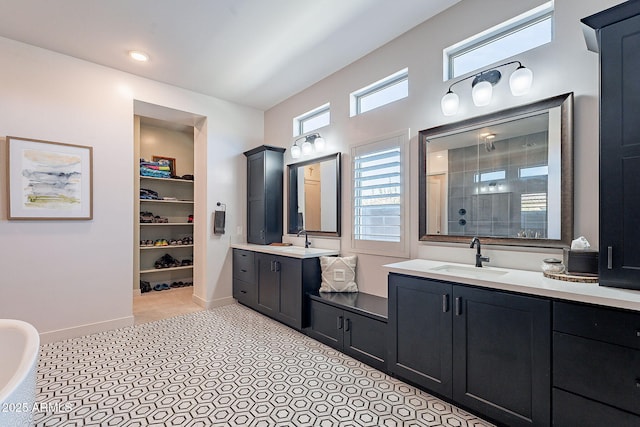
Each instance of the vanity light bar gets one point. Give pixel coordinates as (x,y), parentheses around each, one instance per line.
(520,82)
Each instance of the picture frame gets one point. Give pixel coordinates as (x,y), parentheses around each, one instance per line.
(48,180)
(171,160)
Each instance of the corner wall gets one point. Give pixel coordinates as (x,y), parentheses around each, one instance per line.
(70,278)
(564,65)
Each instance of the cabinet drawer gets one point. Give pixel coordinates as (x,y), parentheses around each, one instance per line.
(570,410)
(604,372)
(244,292)
(243,265)
(603,324)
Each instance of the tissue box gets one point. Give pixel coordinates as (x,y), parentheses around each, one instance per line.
(582,262)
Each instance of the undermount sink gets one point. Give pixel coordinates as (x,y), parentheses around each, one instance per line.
(300,251)
(303,251)
(296,250)
(468,271)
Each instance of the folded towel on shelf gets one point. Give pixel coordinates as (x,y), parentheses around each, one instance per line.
(145,171)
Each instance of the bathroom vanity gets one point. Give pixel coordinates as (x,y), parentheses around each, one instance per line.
(514,346)
(275,280)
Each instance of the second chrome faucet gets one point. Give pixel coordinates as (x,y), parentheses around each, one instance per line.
(479,258)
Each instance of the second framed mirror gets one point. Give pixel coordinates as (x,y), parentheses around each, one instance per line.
(314,196)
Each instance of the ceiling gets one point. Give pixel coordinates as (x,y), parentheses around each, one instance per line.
(252,52)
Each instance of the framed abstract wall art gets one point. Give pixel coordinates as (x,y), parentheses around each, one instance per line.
(49,180)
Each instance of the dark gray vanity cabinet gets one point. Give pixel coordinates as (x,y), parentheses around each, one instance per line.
(487,350)
(615,35)
(244,277)
(265,169)
(280,285)
(596,366)
(354,323)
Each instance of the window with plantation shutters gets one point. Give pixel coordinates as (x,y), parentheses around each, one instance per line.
(378,194)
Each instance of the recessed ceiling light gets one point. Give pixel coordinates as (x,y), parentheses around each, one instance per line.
(138,55)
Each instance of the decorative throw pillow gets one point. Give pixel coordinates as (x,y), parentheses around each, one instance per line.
(338,274)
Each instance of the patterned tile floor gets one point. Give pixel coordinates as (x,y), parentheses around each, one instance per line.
(228,366)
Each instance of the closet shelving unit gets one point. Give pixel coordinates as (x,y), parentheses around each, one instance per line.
(178,227)
(176,211)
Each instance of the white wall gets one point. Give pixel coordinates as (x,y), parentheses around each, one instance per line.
(68,278)
(562,66)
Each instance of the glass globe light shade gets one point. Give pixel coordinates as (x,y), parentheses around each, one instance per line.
(307,148)
(319,144)
(449,104)
(482,93)
(295,151)
(520,81)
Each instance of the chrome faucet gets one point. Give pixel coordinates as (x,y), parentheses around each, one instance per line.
(479,258)
(307,243)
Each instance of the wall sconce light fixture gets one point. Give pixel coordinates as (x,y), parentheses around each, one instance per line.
(310,144)
(520,82)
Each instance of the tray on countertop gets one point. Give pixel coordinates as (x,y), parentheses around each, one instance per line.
(571,277)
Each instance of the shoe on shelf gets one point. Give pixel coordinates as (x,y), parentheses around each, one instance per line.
(146,217)
(145,286)
(166,261)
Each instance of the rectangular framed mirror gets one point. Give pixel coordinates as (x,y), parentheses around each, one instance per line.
(506,177)
(314,196)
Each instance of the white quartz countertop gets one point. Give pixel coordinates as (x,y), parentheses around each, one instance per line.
(289,251)
(526,282)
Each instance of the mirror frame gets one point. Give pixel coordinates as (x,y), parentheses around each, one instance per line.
(565,102)
(292,208)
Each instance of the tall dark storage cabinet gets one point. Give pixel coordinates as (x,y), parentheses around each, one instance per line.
(265,169)
(615,34)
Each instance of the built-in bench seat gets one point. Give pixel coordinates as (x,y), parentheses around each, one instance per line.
(354,323)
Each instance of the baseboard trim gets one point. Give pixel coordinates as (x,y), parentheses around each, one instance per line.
(82,330)
(212,303)
(221,302)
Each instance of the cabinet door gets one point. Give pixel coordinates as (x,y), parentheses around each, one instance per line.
(326,323)
(289,272)
(502,355)
(256,198)
(268,292)
(420,332)
(364,339)
(620,154)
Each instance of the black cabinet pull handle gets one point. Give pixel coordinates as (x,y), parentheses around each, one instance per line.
(347,325)
(445,303)
(243,270)
(243,292)
(610,257)
(277,265)
(458,306)
(339,325)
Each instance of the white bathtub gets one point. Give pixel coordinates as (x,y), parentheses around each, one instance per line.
(19,348)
